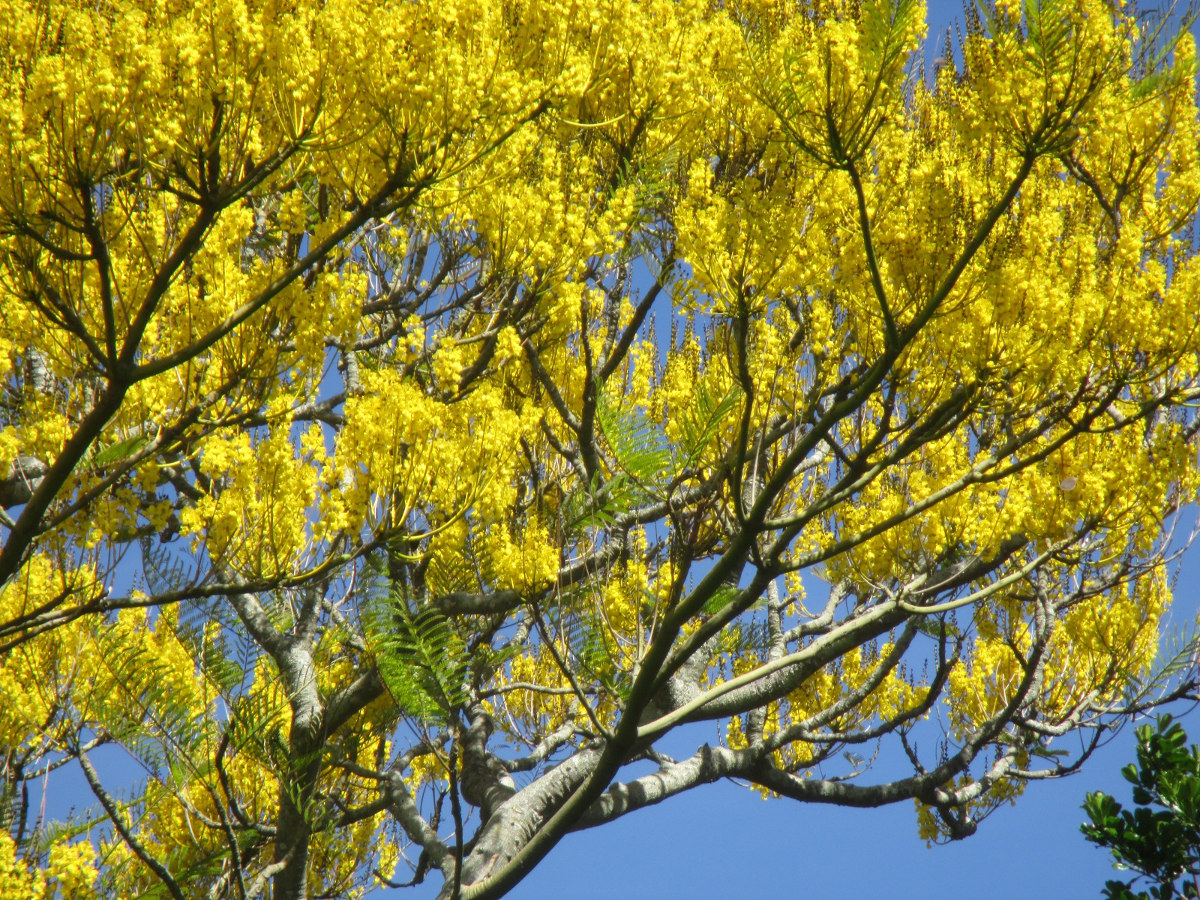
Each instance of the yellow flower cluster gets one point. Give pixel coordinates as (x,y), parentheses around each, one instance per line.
(69,874)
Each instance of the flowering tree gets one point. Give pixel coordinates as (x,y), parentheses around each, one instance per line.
(403,397)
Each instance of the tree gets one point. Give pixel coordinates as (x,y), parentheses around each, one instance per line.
(1162,845)
(403,397)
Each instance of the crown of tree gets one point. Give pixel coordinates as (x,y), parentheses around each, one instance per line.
(414,411)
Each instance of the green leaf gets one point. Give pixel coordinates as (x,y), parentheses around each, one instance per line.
(114,453)
(702,422)
(1160,838)
(638,447)
(421,658)
(720,597)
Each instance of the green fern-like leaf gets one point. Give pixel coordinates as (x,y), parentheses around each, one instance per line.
(638,447)
(1048,27)
(208,626)
(164,571)
(701,423)
(119,451)
(10,805)
(256,723)
(1154,69)
(155,725)
(446,574)
(720,597)
(216,663)
(642,463)
(593,508)
(884,25)
(802,104)
(745,638)
(1177,660)
(421,659)
(588,647)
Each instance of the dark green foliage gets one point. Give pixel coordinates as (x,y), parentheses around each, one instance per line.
(1160,839)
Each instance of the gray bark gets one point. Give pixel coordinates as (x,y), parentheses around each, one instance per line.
(298,786)
(518,819)
(22,480)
